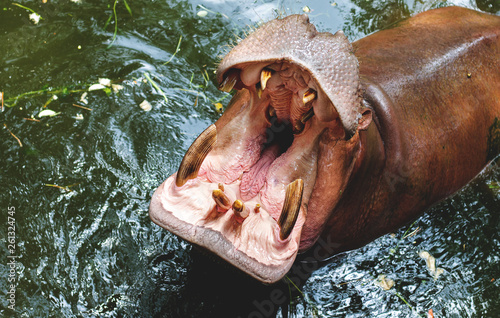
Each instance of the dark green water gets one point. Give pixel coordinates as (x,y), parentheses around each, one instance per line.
(90,250)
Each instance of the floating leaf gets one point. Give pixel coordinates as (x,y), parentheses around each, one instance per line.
(127,6)
(47,113)
(494,185)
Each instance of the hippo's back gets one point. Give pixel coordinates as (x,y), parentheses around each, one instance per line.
(434,82)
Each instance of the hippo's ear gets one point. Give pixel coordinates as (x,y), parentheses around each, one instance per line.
(365,119)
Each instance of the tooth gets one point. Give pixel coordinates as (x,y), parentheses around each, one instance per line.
(265,75)
(309,96)
(221,200)
(229,82)
(271,111)
(257,208)
(221,186)
(191,163)
(291,208)
(258,88)
(298,127)
(240,209)
(308,115)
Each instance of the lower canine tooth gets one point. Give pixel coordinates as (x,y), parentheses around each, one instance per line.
(291,208)
(197,152)
(240,209)
(221,199)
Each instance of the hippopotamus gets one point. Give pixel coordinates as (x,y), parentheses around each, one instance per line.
(331,144)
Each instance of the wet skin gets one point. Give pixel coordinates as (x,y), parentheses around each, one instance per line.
(332,143)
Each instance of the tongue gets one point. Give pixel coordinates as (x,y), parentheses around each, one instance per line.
(253,180)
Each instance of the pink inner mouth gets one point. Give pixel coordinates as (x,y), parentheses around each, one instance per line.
(256,156)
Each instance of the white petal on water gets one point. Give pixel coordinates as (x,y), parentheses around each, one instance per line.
(116,87)
(47,113)
(202,13)
(83,99)
(35,17)
(105,81)
(146,106)
(96,87)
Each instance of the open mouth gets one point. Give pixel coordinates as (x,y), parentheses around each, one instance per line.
(249,186)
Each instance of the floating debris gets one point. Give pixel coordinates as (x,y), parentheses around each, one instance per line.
(430,313)
(116,88)
(218,107)
(78,117)
(430,261)
(384,282)
(83,98)
(146,106)
(202,13)
(306,9)
(35,17)
(105,82)
(12,134)
(96,87)
(83,107)
(47,113)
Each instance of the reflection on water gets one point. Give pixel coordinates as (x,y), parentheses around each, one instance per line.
(87,247)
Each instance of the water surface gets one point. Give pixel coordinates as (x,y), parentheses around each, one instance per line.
(80,184)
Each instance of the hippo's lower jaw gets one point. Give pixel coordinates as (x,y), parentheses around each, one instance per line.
(250,182)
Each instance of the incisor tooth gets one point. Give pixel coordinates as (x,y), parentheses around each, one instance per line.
(221,200)
(291,208)
(197,152)
(257,208)
(240,209)
(265,75)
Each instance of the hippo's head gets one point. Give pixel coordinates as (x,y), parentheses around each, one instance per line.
(259,185)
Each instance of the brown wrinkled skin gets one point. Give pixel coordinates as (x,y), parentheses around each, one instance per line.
(434,84)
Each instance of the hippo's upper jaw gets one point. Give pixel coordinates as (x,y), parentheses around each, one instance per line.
(259,185)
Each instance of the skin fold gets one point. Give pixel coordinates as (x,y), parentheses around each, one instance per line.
(403,118)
